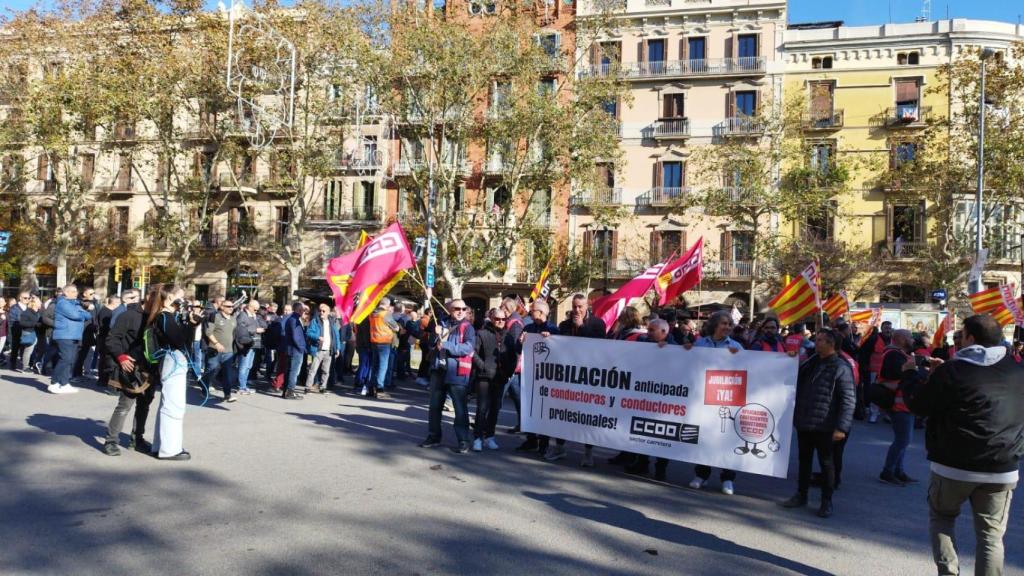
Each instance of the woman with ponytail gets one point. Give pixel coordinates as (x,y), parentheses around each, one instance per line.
(171,323)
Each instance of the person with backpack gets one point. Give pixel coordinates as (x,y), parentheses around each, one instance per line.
(454,345)
(131,373)
(169,326)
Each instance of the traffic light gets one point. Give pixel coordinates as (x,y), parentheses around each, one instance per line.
(117,270)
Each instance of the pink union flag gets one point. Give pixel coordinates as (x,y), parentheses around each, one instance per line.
(609,307)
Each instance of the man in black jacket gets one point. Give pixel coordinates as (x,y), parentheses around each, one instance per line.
(126,349)
(823,415)
(490,348)
(975,441)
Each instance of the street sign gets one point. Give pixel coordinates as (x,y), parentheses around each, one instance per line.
(430,279)
(419,246)
(5,238)
(432,253)
(939,294)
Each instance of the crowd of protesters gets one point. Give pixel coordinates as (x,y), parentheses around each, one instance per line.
(966,392)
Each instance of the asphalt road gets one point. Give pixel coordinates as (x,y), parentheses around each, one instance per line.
(336,485)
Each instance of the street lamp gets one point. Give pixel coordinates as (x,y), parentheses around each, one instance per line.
(979,195)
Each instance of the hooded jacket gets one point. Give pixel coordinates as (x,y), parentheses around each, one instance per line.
(490,350)
(975,409)
(824,395)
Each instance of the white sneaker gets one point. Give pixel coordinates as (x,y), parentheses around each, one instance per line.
(491,444)
(365,391)
(67,389)
(555,452)
(478,445)
(697,483)
(727,488)
(53,388)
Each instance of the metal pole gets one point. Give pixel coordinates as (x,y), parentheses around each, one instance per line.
(607,253)
(979,196)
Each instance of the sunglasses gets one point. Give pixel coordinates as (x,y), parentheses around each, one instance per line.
(498,319)
(459,308)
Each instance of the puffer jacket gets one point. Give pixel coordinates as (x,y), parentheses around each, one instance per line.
(490,347)
(824,395)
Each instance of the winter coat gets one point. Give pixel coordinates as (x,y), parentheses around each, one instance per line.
(975,409)
(245,335)
(461,342)
(490,347)
(824,395)
(314,332)
(29,320)
(293,337)
(125,336)
(70,320)
(592,327)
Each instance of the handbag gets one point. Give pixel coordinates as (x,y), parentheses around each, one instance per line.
(134,382)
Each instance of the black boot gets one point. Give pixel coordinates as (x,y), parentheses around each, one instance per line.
(622,459)
(530,445)
(139,444)
(798,500)
(825,510)
(660,465)
(640,467)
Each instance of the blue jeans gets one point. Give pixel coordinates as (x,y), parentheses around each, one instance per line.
(438,390)
(903,431)
(244,367)
(382,356)
(365,366)
(197,357)
(222,365)
(295,361)
(67,351)
(392,361)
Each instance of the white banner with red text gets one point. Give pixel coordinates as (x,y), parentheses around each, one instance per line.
(704,406)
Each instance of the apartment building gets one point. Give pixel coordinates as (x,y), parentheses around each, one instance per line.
(697,71)
(867,89)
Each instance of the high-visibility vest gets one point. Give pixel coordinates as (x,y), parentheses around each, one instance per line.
(875,362)
(380,332)
(898,405)
(464,364)
(766,347)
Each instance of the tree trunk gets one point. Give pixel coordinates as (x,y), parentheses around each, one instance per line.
(751,311)
(293,279)
(61,257)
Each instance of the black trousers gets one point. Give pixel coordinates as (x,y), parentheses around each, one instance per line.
(488,406)
(704,472)
(15,339)
(810,442)
(837,458)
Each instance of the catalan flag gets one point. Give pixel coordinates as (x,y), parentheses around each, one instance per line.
(999,303)
(543,287)
(946,326)
(871,317)
(837,305)
(800,298)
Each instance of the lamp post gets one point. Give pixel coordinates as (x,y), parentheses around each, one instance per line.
(979,195)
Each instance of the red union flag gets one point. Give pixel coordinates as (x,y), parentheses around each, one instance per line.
(609,307)
(681,275)
(359,279)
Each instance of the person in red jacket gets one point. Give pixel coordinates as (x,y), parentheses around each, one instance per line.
(870,358)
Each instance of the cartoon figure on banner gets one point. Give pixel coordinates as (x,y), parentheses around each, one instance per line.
(755,425)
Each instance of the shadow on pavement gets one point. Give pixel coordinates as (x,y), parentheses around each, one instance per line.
(87,430)
(634,521)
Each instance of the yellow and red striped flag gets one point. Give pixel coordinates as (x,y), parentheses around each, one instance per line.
(837,305)
(946,326)
(800,298)
(542,288)
(997,302)
(872,318)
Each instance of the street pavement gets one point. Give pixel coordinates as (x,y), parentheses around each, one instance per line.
(335,484)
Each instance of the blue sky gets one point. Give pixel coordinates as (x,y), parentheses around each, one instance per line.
(853,12)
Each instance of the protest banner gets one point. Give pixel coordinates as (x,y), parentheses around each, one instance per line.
(705,406)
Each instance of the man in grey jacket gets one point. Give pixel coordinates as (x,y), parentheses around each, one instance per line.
(824,413)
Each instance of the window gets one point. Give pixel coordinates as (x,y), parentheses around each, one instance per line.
(498,198)
(365,200)
(902,153)
(124,173)
(821,62)
(239,225)
(369,150)
(602,244)
(908,59)
(478,7)
(746,102)
(44,215)
(1004,224)
(119,221)
(281,226)
(737,246)
(606,175)
(822,104)
(550,43)
(203,166)
(902,294)
(906,230)
(671,175)
(821,157)
(88,168)
(501,96)
(696,48)
(819,225)
(547,87)
(673,106)
(908,98)
(45,170)
(540,207)
(611,107)
(333,194)
(655,50)
(747,45)
(665,243)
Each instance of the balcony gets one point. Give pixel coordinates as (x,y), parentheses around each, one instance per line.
(238,182)
(738,127)
(823,121)
(661,197)
(675,129)
(364,160)
(332,219)
(729,269)
(494,166)
(603,197)
(240,239)
(747,66)
(900,117)
(899,250)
